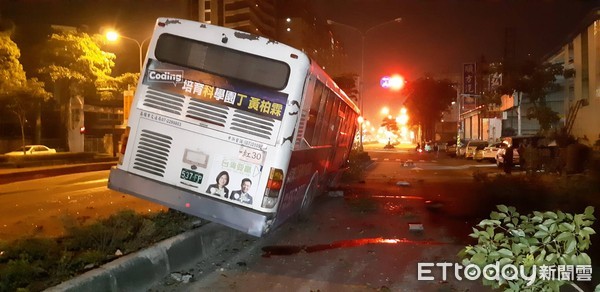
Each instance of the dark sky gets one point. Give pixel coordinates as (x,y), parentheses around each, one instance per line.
(438,36)
(132,18)
(435,36)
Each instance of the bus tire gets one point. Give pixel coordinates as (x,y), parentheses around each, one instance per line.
(309,197)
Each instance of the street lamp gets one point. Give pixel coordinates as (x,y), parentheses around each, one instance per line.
(114,36)
(363,35)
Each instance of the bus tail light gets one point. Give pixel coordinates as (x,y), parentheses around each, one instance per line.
(124,139)
(274,185)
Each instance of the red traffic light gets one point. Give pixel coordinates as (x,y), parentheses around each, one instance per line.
(394,82)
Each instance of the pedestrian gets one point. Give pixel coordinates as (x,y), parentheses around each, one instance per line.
(436,149)
(508,159)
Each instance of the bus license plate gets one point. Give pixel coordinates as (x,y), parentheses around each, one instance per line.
(251,155)
(191,175)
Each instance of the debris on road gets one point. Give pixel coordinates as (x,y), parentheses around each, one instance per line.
(403,183)
(415,227)
(336,194)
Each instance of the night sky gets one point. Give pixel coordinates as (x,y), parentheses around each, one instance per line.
(435,36)
(438,36)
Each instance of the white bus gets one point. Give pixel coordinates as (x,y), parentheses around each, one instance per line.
(232,127)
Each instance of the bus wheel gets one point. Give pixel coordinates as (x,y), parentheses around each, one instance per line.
(309,197)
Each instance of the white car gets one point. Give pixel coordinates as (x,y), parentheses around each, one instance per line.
(32,150)
(489,152)
(473,146)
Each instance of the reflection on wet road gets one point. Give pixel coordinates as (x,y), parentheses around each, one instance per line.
(291,249)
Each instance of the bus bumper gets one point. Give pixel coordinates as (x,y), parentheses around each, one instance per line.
(230,215)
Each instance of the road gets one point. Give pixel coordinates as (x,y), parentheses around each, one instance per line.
(42,207)
(365,240)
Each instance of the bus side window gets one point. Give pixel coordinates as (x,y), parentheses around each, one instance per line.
(334,121)
(319,126)
(311,122)
(345,128)
(325,122)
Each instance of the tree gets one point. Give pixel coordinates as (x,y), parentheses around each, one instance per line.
(347,82)
(390,124)
(535,80)
(24,100)
(18,95)
(75,66)
(428,99)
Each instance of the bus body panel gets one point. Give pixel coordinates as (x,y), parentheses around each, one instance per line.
(248,221)
(303,165)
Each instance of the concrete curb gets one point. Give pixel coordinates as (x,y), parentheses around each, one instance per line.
(141,270)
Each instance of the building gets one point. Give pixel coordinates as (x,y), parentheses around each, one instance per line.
(292,22)
(253,16)
(580,94)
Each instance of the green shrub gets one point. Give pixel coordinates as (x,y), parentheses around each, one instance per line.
(35,264)
(357,163)
(532,240)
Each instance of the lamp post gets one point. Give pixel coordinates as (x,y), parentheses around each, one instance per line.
(363,35)
(113,36)
(458,121)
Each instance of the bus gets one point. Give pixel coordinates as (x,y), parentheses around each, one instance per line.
(232,127)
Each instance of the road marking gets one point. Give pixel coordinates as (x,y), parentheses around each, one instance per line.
(102,180)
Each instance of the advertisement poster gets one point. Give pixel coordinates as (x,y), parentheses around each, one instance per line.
(211,88)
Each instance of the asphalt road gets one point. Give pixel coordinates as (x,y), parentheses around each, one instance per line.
(361,241)
(42,207)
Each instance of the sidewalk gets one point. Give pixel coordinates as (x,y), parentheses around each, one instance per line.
(9,175)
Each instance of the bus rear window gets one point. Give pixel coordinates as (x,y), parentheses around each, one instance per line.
(222,61)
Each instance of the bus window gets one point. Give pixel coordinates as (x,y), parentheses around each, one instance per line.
(319,125)
(221,61)
(311,123)
(342,140)
(334,122)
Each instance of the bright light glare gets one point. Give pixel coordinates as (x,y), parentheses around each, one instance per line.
(396,82)
(402,119)
(385,111)
(112,35)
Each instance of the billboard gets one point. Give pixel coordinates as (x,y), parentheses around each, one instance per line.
(469,80)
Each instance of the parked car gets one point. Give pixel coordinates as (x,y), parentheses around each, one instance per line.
(473,146)
(489,152)
(515,142)
(32,150)
(452,148)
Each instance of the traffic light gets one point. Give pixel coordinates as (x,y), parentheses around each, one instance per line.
(394,82)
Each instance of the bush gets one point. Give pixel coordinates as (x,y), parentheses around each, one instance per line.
(357,163)
(38,263)
(530,241)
